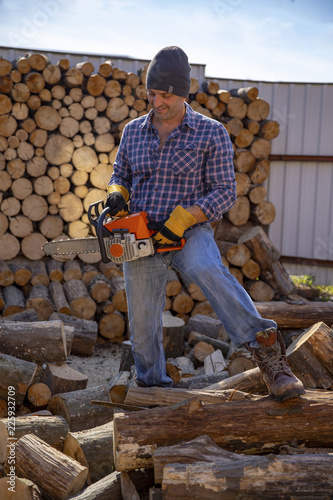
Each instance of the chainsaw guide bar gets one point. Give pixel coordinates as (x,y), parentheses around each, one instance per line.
(74,246)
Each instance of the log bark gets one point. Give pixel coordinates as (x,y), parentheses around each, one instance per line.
(201,449)
(243,478)
(58,296)
(76,408)
(39,299)
(296,316)
(93,448)
(81,304)
(14,300)
(40,342)
(261,436)
(58,475)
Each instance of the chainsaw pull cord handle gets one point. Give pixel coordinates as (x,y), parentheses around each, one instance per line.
(101,231)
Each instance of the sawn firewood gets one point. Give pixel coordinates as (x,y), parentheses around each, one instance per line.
(307,420)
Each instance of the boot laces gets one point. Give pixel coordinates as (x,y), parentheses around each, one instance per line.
(272,364)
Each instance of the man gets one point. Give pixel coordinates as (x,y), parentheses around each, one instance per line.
(177,165)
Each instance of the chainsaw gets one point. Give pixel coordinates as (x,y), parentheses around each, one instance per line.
(118,239)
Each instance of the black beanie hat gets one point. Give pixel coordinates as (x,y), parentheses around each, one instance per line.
(170,71)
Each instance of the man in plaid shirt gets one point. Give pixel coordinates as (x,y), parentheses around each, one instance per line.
(177,165)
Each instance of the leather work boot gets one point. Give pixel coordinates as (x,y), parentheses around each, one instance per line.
(273,364)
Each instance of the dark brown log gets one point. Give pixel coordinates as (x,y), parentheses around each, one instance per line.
(296,316)
(76,408)
(306,476)
(170,425)
(58,475)
(40,342)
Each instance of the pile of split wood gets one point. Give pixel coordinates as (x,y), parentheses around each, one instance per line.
(216,435)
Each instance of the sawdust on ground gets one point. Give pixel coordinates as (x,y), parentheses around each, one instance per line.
(100,366)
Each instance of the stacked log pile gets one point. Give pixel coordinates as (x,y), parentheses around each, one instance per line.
(177,442)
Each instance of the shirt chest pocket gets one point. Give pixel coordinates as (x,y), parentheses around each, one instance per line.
(186,159)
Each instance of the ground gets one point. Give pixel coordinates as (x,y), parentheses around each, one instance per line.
(101,366)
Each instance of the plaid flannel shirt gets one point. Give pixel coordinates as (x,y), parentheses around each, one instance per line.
(195,166)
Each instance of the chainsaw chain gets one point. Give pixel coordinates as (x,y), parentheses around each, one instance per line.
(81,240)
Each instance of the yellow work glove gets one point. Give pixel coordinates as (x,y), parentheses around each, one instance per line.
(173,229)
(117,199)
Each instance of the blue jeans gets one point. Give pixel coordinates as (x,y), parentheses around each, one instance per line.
(200,261)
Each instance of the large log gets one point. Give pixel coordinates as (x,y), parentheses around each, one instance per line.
(278,477)
(307,420)
(289,315)
(58,475)
(165,396)
(76,408)
(40,342)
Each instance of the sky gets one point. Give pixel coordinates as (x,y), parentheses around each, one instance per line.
(267,40)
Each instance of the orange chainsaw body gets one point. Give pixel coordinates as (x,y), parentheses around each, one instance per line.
(132,238)
(135,223)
